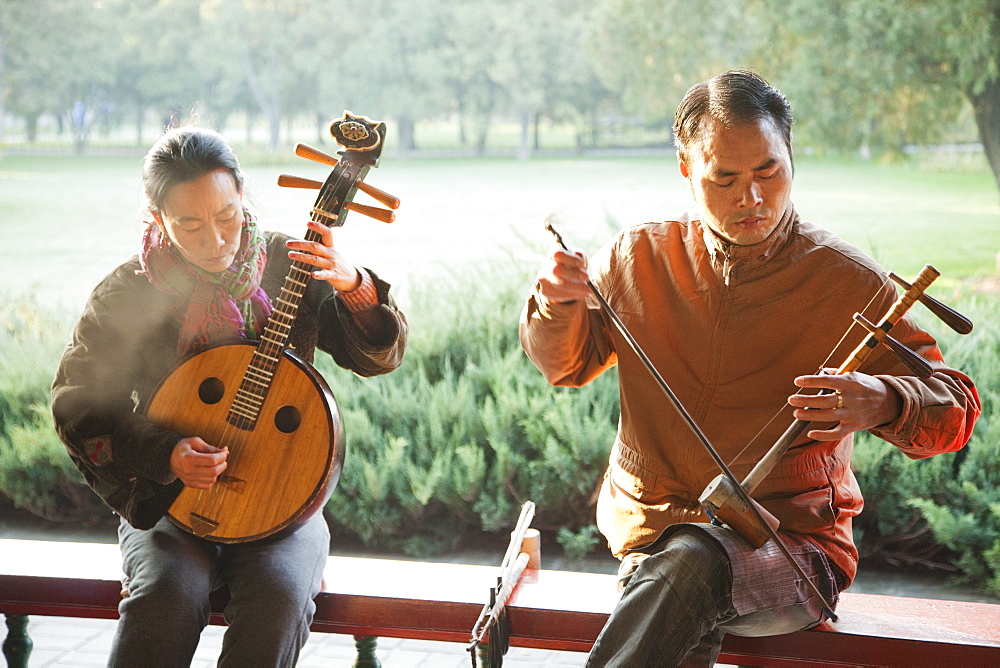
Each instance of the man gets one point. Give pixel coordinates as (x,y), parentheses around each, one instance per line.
(733,304)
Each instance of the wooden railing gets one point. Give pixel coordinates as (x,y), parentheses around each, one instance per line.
(371,598)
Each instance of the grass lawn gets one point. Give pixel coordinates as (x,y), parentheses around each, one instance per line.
(66,220)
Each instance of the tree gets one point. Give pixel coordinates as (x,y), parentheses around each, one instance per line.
(863,75)
(391,65)
(538,61)
(573,91)
(525,57)
(954,47)
(155,64)
(650,51)
(45,73)
(27,62)
(466,54)
(5,22)
(262,43)
(890,72)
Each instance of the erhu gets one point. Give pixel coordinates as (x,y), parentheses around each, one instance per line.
(725,504)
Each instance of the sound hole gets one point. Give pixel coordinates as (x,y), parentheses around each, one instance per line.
(287,419)
(210,391)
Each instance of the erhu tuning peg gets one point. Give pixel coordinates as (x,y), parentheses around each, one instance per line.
(914,362)
(289,181)
(948,315)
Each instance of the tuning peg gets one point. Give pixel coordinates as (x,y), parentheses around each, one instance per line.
(382,215)
(316,155)
(390,201)
(914,362)
(948,315)
(289,181)
(308,152)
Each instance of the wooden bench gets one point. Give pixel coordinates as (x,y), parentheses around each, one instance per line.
(558,610)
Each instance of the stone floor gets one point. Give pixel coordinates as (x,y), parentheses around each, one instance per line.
(72,642)
(78,643)
(84,643)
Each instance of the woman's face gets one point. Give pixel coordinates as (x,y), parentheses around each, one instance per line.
(203,219)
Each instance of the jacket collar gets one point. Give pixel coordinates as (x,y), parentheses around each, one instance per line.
(725,254)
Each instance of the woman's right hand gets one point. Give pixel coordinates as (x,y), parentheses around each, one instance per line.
(564,278)
(197,463)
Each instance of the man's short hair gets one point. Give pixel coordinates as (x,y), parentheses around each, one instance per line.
(732,98)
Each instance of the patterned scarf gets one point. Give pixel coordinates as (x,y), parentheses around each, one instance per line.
(221,306)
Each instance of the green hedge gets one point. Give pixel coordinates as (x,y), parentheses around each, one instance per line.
(456,439)
(942,512)
(448,446)
(35,472)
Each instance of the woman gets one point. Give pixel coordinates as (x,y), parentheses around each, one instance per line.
(205,274)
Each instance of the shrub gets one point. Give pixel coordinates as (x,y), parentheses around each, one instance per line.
(38,476)
(446,448)
(942,512)
(454,441)
(35,472)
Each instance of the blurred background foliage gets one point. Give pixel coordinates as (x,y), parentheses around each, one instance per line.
(866,76)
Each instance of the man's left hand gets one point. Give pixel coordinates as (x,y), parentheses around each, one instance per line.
(858,402)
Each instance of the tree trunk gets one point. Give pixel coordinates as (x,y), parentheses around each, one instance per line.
(524,147)
(31,127)
(407,142)
(140,109)
(274,121)
(484,118)
(221,118)
(268,101)
(2,91)
(322,128)
(482,135)
(986,107)
(463,139)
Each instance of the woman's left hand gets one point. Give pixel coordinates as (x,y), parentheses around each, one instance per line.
(331,265)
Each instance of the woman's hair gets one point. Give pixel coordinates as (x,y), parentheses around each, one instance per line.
(182,155)
(732,98)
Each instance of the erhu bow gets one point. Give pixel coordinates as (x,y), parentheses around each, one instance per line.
(726,499)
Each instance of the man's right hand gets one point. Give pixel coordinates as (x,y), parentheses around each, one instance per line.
(563,278)
(197,463)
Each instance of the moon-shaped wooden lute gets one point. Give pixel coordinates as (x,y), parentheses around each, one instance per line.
(271,409)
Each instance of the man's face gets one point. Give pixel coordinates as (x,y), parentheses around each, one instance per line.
(741,179)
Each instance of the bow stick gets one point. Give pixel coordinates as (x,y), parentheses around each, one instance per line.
(751,506)
(720,498)
(494,615)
